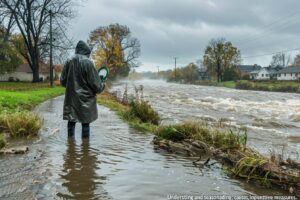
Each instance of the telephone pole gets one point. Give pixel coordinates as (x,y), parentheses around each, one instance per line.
(175,58)
(51,49)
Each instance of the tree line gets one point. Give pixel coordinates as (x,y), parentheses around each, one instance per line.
(220,61)
(25,37)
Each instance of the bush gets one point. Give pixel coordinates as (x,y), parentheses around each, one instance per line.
(171,133)
(20,124)
(230,74)
(198,131)
(245,85)
(143,111)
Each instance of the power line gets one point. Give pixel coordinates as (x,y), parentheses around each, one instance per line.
(286,18)
(268,54)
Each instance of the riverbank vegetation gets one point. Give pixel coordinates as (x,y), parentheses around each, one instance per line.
(225,145)
(274,86)
(20,124)
(200,131)
(17,99)
(132,112)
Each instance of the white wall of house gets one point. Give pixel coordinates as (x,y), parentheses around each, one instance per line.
(288,76)
(262,74)
(22,76)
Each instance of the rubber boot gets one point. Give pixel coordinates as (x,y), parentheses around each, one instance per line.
(71,129)
(85,130)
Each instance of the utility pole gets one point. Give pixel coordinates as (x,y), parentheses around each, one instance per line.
(51,49)
(175,58)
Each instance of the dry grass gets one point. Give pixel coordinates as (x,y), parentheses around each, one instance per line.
(199,131)
(20,124)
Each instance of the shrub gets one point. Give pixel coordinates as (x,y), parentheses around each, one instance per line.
(20,124)
(143,111)
(199,131)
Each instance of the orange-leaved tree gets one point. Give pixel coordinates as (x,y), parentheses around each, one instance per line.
(115,48)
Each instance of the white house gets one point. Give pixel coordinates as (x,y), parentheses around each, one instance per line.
(289,73)
(24,73)
(264,73)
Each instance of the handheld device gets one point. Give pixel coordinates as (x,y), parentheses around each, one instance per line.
(103,73)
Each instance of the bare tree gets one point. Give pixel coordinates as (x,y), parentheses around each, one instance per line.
(281,59)
(32,18)
(297,60)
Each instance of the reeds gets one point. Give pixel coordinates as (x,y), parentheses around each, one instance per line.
(200,131)
(20,124)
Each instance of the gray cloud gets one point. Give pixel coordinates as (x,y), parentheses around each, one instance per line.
(184,27)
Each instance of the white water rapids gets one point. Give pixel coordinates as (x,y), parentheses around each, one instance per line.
(272,119)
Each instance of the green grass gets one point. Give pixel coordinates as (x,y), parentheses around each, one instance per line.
(16,101)
(124,111)
(274,86)
(228,84)
(249,168)
(199,131)
(21,86)
(26,99)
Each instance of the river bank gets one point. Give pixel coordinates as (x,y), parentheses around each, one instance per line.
(199,140)
(16,103)
(270,86)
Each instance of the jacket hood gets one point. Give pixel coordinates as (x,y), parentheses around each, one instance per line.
(82,48)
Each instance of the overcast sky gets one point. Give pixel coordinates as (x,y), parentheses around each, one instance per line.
(183,28)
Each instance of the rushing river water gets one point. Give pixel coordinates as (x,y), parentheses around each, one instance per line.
(119,162)
(272,119)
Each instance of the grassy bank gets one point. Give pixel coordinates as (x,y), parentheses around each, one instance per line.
(125,112)
(16,101)
(274,86)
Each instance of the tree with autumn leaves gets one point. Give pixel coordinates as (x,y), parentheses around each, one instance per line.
(220,55)
(115,48)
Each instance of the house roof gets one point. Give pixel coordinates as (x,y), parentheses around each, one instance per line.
(267,69)
(290,70)
(44,68)
(249,68)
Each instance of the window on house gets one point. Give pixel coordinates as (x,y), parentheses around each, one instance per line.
(284,74)
(267,75)
(279,75)
(262,75)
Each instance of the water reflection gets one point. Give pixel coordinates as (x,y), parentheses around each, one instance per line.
(79,170)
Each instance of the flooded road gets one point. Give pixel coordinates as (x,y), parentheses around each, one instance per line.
(272,119)
(116,163)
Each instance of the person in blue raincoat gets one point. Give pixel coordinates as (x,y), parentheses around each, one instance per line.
(82,83)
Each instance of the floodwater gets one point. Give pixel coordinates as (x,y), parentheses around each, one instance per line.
(271,118)
(118,162)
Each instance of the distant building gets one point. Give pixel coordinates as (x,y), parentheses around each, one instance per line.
(265,73)
(24,73)
(247,69)
(289,73)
